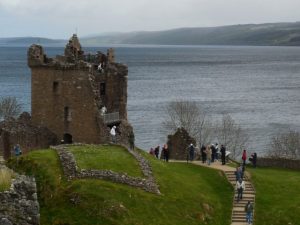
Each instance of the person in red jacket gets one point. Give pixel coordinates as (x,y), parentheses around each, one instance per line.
(244,157)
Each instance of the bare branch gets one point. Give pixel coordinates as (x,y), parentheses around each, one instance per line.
(9,107)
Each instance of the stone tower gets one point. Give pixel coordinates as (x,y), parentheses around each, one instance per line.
(79,96)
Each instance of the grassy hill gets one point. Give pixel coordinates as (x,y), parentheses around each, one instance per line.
(277,196)
(190,194)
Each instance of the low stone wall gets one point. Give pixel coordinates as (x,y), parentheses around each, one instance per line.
(71,171)
(279,163)
(19,205)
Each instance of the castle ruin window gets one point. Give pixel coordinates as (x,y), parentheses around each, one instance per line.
(102,88)
(55,86)
(67,114)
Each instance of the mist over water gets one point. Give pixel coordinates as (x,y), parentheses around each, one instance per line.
(258,86)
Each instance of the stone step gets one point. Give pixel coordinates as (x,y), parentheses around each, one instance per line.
(239,223)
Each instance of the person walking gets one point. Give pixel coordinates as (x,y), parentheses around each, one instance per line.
(203,154)
(113,134)
(208,154)
(244,157)
(249,212)
(240,187)
(239,174)
(223,154)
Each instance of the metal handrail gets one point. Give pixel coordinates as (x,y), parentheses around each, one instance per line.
(111,117)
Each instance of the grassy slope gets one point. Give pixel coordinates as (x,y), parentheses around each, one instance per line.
(277,197)
(185,191)
(91,157)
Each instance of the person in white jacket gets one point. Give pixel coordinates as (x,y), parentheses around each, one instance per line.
(113,134)
(240,187)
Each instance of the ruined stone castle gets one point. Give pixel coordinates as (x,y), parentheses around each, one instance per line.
(79,96)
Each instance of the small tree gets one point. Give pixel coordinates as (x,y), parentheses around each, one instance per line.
(9,107)
(188,115)
(231,135)
(285,145)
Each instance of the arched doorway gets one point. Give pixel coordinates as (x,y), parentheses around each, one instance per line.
(68,138)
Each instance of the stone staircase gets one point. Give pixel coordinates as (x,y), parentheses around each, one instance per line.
(238,212)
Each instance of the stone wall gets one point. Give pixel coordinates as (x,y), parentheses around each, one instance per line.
(71,171)
(19,205)
(22,132)
(279,163)
(178,144)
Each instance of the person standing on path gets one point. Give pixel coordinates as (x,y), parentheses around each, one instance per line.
(254,159)
(191,152)
(131,140)
(165,151)
(223,154)
(249,212)
(213,152)
(17,150)
(240,187)
(203,154)
(156,151)
(113,134)
(208,154)
(244,157)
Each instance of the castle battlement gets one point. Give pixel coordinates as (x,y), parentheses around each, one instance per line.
(78,96)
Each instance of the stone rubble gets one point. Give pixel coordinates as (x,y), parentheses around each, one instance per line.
(19,205)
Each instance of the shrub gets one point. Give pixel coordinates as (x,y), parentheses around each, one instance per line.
(6,176)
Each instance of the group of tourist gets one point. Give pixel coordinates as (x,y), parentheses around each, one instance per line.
(212,153)
(162,154)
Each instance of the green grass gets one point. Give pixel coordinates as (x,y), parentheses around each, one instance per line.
(106,157)
(277,196)
(190,195)
(6,176)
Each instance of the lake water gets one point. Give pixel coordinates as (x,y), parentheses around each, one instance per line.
(258,86)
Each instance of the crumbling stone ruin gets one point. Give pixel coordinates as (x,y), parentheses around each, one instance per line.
(19,205)
(21,131)
(79,96)
(178,144)
(71,171)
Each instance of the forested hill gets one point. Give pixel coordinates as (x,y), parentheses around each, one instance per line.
(285,34)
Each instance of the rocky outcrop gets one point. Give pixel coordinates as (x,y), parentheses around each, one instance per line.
(19,205)
(71,171)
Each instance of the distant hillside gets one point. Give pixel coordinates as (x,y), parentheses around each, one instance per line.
(26,41)
(277,34)
(250,34)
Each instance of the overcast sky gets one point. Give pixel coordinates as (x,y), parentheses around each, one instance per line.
(60,18)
